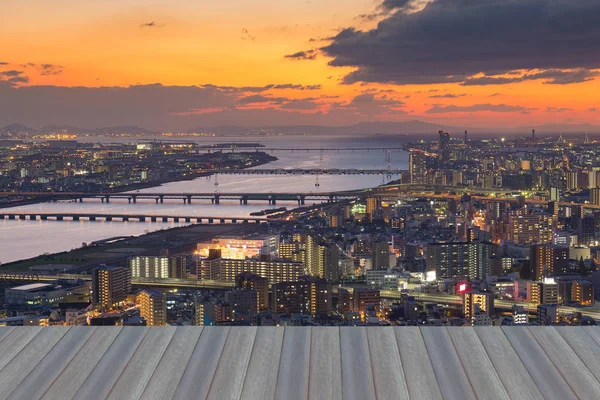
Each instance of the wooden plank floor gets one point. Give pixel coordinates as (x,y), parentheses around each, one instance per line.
(300,363)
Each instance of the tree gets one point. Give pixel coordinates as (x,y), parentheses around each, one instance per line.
(582,269)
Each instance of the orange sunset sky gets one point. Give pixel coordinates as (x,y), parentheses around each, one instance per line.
(185,63)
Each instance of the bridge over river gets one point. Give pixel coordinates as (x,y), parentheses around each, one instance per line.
(33,215)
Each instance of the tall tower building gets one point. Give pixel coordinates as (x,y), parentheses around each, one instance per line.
(110,285)
(249,281)
(381,255)
(153,307)
(444,146)
(418,167)
(483,299)
(595,196)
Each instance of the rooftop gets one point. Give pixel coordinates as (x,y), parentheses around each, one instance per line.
(300,363)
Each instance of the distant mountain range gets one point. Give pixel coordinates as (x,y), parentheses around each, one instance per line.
(19,129)
(363,128)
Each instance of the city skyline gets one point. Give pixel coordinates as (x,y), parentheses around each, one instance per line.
(180,65)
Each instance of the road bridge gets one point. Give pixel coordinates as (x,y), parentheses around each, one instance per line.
(33,215)
(214,197)
(306,171)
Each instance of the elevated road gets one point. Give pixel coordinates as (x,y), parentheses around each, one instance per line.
(305,171)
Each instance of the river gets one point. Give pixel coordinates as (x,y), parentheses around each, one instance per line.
(25,239)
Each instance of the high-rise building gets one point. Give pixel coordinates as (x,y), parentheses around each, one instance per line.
(527,227)
(546,259)
(595,196)
(110,285)
(554,194)
(227,270)
(483,299)
(242,302)
(586,231)
(417,161)
(211,313)
(153,307)
(158,267)
(257,283)
(444,146)
(480,255)
(448,260)
(372,205)
(329,256)
(519,315)
(381,255)
(545,292)
(480,318)
(307,295)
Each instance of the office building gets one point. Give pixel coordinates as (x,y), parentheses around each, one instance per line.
(580,292)
(381,252)
(547,314)
(417,161)
(443,146)
(547,259)
(519,315)
(595,196)
(258,284)
(362,298)
(242,303)
(586,231)
(110,285)
(211,312)
(153,307)
(239,248)
(307,295)
(383,279)
(484,300)
(480,317)
(448,260)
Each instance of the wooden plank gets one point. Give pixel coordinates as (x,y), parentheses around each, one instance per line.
(325,379)
(79,368)
(449,371)
(139,370)
(292,381)
(261,376)
(513,374)
(195,382)
(420,377)
(479,369)
(14,342)
(228,381)
(27,359)
(388,374)
(547,378)
(104,375)
(5,331)
(594,333)
(173,364)
(566,361)
(586,348)
(357,373)
(50,367)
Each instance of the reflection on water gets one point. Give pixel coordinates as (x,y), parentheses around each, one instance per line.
(24,239)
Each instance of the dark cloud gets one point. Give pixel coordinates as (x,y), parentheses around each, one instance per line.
(447,96)
(438,108)
(302,55)
(260,99)
(13,77)
(592,109)
(259,89)
(557,110)
(550,76)
(452,40)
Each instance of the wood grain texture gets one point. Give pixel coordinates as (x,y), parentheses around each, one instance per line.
(549,381)
(388,373)
(261,376)
(15,341)
(51,366)
(141,366)
(173,364)
(357,373)
(81,366)
(201,368)
(108,370)
(448,368)
(507,364)
(294,364)
(416,363)
(325,379)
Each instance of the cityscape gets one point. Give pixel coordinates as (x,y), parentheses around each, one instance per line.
(389,199)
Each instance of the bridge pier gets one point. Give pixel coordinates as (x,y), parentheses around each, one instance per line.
(184,200)
(244,200)
(134,199)
(188,219)
(216,199)
(44,217)
(108,218)
(211,221)
(162,199)
(153,219)
(33,217)
(75,218)
(92,218)
(156,200)
(107,199)
(222,220)
(142,219)
(129,200)
(189,199)
(81,199)
(165,219)
(125,219)
(176,219)
(59,217)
